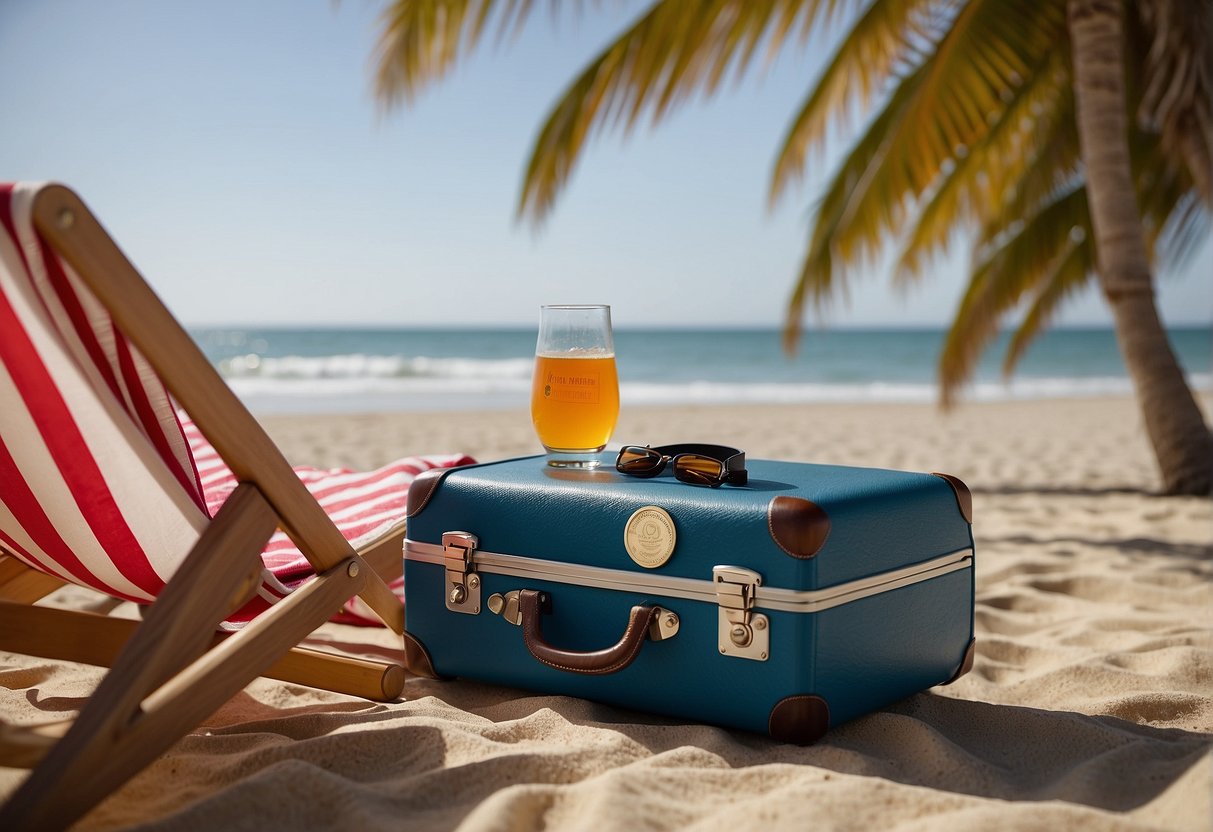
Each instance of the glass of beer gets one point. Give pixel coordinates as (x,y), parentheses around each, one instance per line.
(575,389)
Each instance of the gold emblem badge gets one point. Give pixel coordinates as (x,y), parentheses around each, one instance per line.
(649,536)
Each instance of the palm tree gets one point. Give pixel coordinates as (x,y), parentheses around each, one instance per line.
(1181,441)
(1069,145)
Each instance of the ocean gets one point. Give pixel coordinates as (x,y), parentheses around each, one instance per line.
(334,370)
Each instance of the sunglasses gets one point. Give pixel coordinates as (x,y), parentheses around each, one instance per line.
(696,464)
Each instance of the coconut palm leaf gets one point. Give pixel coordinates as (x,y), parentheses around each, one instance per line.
(1186,232)
(1070,273)
(1178,83)
(986,52)
(999,283)
(1172,214)
(1175,218)
(1053,166)
(422,39)
(817,272)
(990,172)
(674,50)
(1001,279)
(1160,189)
(884,39)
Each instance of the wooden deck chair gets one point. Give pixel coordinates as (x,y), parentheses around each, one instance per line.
(98,485)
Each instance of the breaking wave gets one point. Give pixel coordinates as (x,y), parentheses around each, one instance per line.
(387,382)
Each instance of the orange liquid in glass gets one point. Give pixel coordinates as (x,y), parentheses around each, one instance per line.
(574,401)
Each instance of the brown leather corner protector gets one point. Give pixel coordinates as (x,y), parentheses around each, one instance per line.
(966,664)
(422,489)
(417,658)
(799,719)
(964,499)
(799,526)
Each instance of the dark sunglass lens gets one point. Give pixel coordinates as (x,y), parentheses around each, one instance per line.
(635,460)
(699,470)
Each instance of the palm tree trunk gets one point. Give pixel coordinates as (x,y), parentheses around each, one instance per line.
(1182,443)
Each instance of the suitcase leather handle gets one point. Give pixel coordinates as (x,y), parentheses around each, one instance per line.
(594,662)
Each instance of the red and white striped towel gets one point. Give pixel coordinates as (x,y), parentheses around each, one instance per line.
(363,505)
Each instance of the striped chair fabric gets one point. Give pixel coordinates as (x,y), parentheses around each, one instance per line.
(364,506)
(101,484)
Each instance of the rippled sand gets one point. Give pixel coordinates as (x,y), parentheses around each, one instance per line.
(1090,704)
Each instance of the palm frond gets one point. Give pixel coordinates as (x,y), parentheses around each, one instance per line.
(817,272)
(1054,165)
(1000,281)
(1069,274)
(422,39)
(885,36)
(1161,181)
(980,178)
(1178,83)
(667,55)
(1186,229)
(1174,220)
(940,107)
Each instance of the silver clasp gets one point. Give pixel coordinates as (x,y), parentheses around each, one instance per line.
(462,582)
(741,632)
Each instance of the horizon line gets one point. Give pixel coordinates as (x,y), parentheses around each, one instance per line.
(743,327)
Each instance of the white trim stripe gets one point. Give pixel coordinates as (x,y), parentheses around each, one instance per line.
(669,586)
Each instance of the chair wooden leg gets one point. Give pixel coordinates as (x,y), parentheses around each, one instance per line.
(111,741)
(63,635)
(369,679)
(386,556)
(22,585)
(154,694)
(88,638)
(96,755)
(383,601)
(248,653)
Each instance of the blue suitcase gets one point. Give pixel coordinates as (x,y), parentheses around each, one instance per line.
(810,596)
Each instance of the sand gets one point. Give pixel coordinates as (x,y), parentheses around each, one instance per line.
(1090,704)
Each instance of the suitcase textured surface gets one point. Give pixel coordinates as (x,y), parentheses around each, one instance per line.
(810,596)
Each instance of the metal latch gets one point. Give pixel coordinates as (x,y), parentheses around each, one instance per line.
(462,582)
(741,632)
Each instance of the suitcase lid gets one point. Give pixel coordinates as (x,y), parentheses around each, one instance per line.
(801,526)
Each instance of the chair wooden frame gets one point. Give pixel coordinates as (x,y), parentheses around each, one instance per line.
(169,672)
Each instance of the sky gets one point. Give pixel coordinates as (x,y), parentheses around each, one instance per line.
(237,154)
